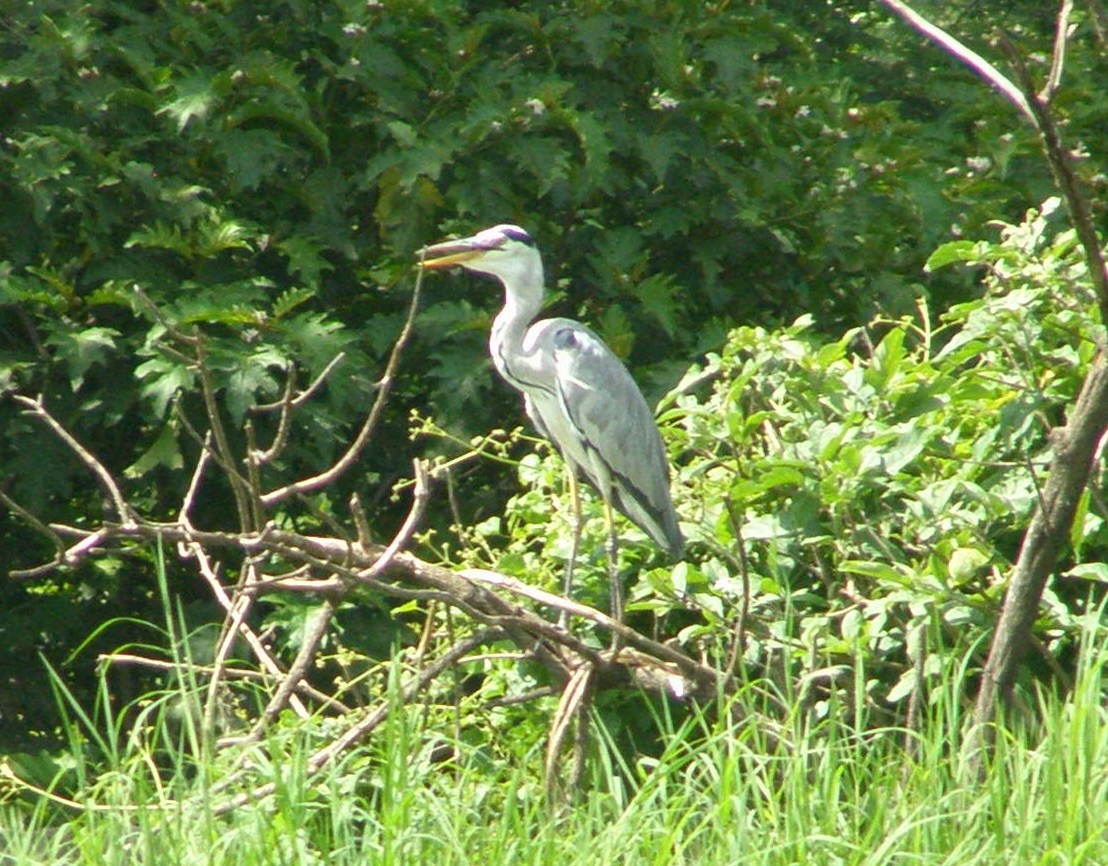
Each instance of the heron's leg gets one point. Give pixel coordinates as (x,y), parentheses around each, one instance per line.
(575,543)
(615,587)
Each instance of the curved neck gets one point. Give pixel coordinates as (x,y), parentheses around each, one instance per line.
(523,291)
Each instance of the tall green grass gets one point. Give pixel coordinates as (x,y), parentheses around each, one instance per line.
(829,793)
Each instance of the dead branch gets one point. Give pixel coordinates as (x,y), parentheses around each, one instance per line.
(298,670)
(335,566)
(290,401)
(236,611)
(38,409)
(384,387)
(1060,160)
(356,732)
(572,708)
(1058,56)
(968,56)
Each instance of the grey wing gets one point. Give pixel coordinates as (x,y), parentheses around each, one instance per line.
(618,445)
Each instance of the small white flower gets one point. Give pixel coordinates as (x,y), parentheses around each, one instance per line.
(537,106)
(353,29)
(661,100)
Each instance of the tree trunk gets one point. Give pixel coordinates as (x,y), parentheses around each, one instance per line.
(1075,447)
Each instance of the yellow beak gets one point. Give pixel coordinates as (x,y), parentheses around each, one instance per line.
(457,252)
(444,259)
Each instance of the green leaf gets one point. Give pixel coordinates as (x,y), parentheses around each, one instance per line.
(1095,571)
(952,253)
(252,381)
(305,259)
(163,380)
(195,98)
(658,294)
(252,156)
(81,349)
(164,452)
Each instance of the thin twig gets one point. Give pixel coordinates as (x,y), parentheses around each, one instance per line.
(284,420)
(1061,165)
(205,443)
(194,483)
(574,705)
(253,473)
(98,469)
(305,688)
(116,658)
(415,514)
(171,329)
(232,626)
(44,530)
(384,387)
(1058,56)
(263,655)
(239,488)
(305,395)
(513,700)
(314,631)
(361,525)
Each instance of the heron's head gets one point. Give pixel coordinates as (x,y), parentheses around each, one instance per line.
(504,251)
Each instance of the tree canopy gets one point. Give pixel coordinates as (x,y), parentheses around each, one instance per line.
(206,206)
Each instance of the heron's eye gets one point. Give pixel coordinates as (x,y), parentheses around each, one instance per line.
(565,339)
(517,234)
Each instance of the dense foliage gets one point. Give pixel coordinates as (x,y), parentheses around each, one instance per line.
(262,173)
(856,504)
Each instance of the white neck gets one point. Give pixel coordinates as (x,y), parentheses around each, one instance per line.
(523,293)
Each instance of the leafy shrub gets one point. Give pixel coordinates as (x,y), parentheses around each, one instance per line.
(853,506)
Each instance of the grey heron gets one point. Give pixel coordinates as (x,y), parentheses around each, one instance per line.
(575,390)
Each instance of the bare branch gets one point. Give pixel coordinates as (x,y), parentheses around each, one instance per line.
(205,444)
(1061,166)
(968,56)
(574,706)
(44,530)
(699,674)
(361,525)
(313,634)
(36,408)
(171,329)
(231,673)
(358,731)
(194,482)
(305,395)
(230,605)
(249,519)
(411,522)
(384,387)
(284,419)
(1058,56)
